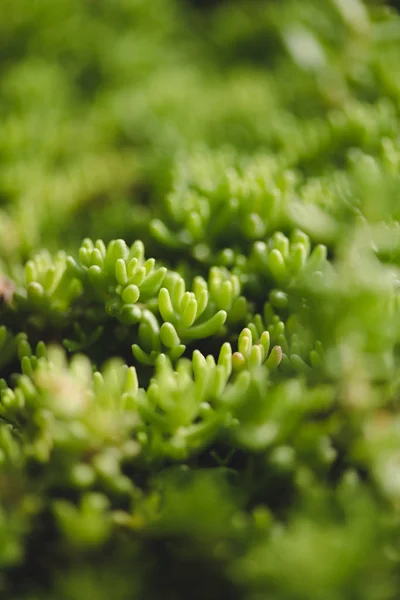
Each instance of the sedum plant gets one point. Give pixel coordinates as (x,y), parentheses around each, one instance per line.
(199,300)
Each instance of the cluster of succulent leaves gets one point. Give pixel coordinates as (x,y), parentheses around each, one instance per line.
(199,300)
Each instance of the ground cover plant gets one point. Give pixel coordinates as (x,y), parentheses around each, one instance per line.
(199,300)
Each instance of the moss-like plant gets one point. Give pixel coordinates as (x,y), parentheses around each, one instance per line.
(199,300)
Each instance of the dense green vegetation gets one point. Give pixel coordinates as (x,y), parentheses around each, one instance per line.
(199,300)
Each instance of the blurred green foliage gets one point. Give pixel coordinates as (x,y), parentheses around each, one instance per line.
(199,300)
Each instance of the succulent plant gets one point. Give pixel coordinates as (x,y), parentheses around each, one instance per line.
(199,300)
